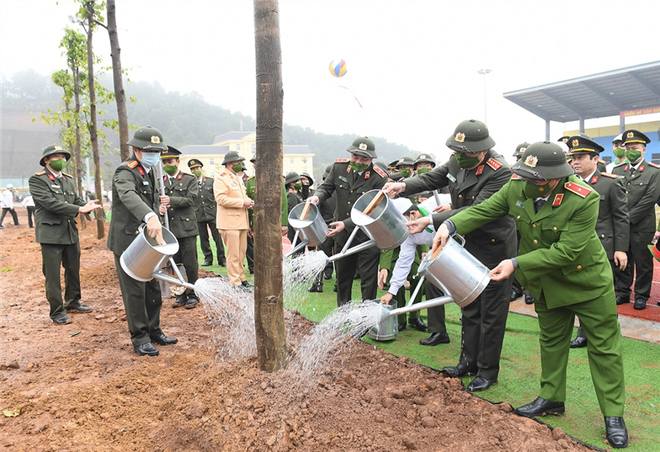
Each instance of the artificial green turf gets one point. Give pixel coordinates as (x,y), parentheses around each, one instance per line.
(520,369)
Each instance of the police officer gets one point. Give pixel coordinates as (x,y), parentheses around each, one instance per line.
(473,173)
(181,192)
(136,203)
(562,262)
(350,179)
(327,210)
(306,181)
(205,211)
(293,198)
(56,206)
(641,179)
(516,289)
(612,226)
(619,153)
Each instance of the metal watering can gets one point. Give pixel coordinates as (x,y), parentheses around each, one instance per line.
(306,219)
(144,258)
(453,269)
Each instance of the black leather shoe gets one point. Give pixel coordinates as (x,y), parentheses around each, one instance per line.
(146,349)
(460,370)
(79,308)
(640,304)
(579,342)
(529,298)
(540,407)
(316,288)
(246,284)
(222,263)
(515,295)
(418,324)
(181,300)
(327,276)
(191,303)
(163,340)
(402,326)
(64,320)
(616,432)
(620,299)
(435,339)
(207,263)
(480,384)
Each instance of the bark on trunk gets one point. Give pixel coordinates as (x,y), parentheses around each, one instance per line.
(120,94)
(268,297)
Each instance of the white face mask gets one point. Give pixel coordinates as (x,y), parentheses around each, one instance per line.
(150,159)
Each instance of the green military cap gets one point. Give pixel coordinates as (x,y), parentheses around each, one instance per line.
(393,164)
(520,149)
(232,156)
(170,153)
(194,163)
(380,164)
(308,176)
(635,136)
(148,138)
(543,160)
(53,149)
(326,171)
(470,136)
(563,138)
(405,161)
(424,158)
(363,147)
(580,145)
(291,176)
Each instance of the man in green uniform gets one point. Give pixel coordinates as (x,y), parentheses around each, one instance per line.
(641,180)
(181,191)
(136,203)
(516,289)
(56,206)
(350,179)
(563,264)
(612,226)
(205,211)
(473,173)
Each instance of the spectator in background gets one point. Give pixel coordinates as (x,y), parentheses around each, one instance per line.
(28,203)
(7,200)
(619,153)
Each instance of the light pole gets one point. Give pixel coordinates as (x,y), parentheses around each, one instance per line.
(484,72)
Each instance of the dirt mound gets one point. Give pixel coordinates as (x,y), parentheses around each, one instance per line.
(81,386)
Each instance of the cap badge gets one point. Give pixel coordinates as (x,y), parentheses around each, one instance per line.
(58,148)
(155,139)
(522,150)
(531,161)
(401,160)
(362,146)
(575,142)
(564,140)
(460,137)
(630,135)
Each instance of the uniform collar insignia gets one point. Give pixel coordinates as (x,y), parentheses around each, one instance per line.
(480,170)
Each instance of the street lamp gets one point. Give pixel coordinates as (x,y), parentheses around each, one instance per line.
(484,72)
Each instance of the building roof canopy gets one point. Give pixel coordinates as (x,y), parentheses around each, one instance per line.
(593,96)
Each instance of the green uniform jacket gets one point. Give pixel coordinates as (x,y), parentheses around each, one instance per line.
(56,206)
(560,255)
(293,198)
(612,226)
(251,191)
(205,206)
(492,242)
(135,193)
(183,191)
(642,191)
(349,186)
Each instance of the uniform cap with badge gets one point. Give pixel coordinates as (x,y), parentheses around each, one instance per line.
(470,136)
(232,156)
(543,160)
(578,144)
(308,176)
(170,153)
(194,163)
(634,136)
(148,138)
(405,161)
(53,149)
(520,149)
(291,176)
(424,158)
(363,147)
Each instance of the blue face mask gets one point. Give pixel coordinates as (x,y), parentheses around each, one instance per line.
(150,159)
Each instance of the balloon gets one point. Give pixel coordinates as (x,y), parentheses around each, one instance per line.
(338,68)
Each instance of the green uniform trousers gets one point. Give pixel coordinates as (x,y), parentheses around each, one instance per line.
(601,327)
(187,255)
(68,256)
(142,302)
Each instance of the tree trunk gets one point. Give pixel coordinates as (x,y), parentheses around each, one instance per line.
(78,150)
(120,94)
(268,297)
(93,134)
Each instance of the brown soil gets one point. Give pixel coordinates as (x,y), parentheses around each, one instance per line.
(81,386)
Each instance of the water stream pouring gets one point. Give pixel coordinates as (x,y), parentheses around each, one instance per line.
(144,258)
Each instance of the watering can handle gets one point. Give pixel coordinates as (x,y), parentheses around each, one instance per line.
(374,202)
(458,237)
(305,210)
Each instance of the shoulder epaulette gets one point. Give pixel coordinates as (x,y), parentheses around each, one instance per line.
(602,161)
(613,176)
(341,160)
(40,173)
(577,189)
(380,172)
(653,165)
(494,164)
(251,177)
(67,175)
(619,164)
(132,164)
(223,173)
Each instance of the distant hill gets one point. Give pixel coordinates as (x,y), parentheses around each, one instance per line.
(184,119)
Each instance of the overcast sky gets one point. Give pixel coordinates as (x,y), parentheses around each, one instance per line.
(413,64)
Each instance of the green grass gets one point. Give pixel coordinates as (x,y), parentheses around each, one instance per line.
(520,369)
